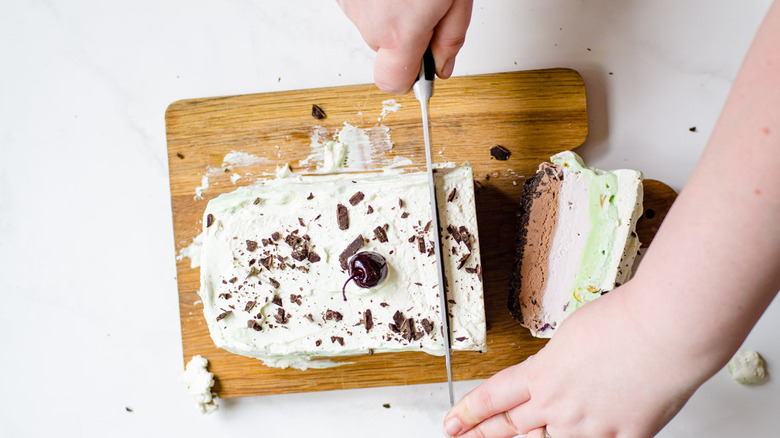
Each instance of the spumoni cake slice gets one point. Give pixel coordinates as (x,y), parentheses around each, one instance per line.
(576,239)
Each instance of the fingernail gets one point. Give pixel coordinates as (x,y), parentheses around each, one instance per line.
(446,70)
(452,426)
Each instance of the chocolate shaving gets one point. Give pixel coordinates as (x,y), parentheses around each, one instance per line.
(471,270)
(225,295)
(463,260)
(500,153)
(318,342)
(300,221)
(338,339)
(233,280)
(461,338)
(411,239)
(349,251)
(421,244)
(274,282)
(180,155)
(249,306)
(451,196)
(251,245)
(310,197)
(317,112)
(370,210)
(295,299)
(276,235)
(302,253)
(265,242)
(404,215)
(277,300)
(223,314)
(380,234)
(209,220)
(400,203)
(428,226)
(254,325)
(356,198)
(343,217)
(257,201)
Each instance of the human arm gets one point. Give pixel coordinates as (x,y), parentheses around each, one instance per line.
(626,363)
(400,31)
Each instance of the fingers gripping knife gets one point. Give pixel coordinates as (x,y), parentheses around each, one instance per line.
(423,90)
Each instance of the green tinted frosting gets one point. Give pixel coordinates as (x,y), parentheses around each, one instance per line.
(604,219)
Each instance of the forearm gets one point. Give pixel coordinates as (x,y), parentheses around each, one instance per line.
(714,266)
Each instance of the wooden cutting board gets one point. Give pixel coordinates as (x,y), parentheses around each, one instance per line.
(534,114)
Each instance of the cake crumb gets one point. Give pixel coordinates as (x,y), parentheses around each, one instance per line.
(747,367)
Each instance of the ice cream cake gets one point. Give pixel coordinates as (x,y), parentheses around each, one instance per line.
(283,267)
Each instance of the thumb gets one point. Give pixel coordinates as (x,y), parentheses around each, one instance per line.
(396,69)
(449,36)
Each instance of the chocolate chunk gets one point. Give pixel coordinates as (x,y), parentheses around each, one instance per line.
(350,250)
(266,262)
(313,257)
(254,325)
(310,197)
(342,216)
(209,220)
(317,112)
(301,254)
(380,234)
(500,153)
(265,242)
(277,300)
(370,210)
(404,215)
(454,233)
(276,235)
(333,315)
(356,198)
(274,282)
(251,245)
(223,314)
(338,339)
(427,326)
(292,240)
(249,306)
(451,196)
(281,316)
(421,244)
(368,320)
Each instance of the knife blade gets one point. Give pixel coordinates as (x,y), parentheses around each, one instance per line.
(423,91)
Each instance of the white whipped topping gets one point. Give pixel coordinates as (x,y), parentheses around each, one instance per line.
(199,382)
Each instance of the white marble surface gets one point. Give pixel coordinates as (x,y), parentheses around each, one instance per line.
(89,313)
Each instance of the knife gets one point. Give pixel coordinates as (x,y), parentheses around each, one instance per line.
(423,90)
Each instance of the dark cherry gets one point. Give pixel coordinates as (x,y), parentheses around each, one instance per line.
(366,269)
